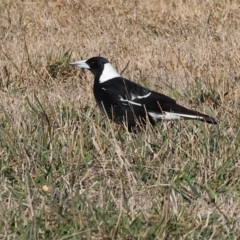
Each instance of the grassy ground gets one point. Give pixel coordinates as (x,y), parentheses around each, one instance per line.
(67,172)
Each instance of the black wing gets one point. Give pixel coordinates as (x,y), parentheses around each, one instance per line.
(132,91)
(126,101)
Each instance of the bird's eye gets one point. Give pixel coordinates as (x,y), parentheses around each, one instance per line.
(92,62)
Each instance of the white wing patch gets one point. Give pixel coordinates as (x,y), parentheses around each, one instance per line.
(125,101)
(171,116)
(133,96)
(108,73)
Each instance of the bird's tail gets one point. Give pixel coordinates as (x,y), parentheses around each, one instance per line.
(185,113)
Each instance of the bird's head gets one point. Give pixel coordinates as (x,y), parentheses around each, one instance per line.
(100,67)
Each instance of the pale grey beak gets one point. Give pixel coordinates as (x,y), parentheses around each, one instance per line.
(81,64)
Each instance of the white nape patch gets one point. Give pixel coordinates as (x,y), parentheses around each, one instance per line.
(104,89)
(133,96)
(125,101)
(108,73)
(171,116)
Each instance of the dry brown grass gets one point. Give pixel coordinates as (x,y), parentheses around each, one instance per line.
(66,171)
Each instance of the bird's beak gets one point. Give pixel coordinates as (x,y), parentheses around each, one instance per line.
(81,64)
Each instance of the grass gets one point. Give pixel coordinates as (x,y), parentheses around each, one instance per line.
(69,173)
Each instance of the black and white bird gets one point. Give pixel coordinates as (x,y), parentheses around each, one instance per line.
(129,103)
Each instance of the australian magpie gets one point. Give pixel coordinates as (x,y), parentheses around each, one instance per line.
(129,103)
